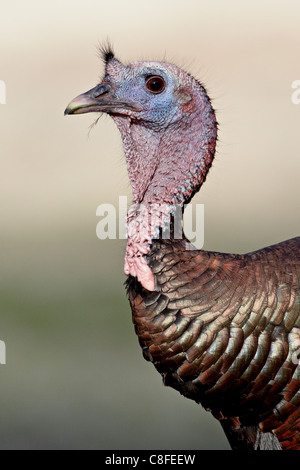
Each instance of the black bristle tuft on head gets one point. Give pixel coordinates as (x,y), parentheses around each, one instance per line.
(105,52)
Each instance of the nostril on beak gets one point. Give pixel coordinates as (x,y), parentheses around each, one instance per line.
(101,90)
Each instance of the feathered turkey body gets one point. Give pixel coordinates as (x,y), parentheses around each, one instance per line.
(222,329)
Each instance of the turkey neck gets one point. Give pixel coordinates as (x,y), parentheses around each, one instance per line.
(167,166)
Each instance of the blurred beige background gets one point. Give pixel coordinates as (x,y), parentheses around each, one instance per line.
(75,376)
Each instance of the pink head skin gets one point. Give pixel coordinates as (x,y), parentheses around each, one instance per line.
(169,133)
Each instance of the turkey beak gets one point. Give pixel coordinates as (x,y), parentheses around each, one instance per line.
(93,100)
(98,99)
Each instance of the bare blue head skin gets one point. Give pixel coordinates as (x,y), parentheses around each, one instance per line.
(124,89)
(169,133)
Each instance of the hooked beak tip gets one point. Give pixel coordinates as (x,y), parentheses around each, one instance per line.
(67,111)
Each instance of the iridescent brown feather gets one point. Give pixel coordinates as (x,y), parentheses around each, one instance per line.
(221,329)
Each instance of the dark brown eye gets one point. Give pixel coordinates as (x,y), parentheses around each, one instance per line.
(155,84)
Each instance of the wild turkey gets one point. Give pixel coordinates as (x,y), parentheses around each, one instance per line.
(222,329)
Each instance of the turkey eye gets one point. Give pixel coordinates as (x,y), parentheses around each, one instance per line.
(155,84)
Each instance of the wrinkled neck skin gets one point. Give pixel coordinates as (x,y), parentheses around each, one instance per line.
(166,167)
